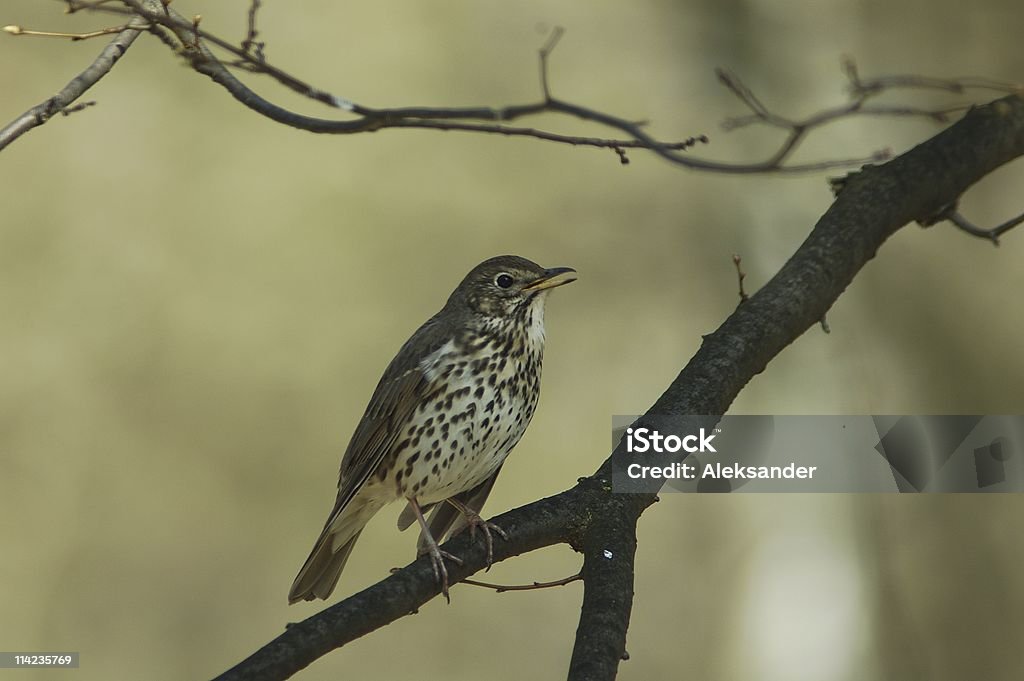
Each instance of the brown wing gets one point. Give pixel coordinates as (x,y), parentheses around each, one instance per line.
(402,388)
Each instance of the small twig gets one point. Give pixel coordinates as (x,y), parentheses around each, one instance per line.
(860,87)
(861,91)
(189,34)
(249,44)
(737,261)
(75,108)
(18,30)
(196,19)
(502,588)
(545,52)
(733,83)
(991,234)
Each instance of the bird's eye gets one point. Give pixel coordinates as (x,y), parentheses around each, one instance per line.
(503,280)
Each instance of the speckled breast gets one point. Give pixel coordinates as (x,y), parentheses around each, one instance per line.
(487,390)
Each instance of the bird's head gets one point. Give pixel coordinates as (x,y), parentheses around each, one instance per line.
(507,286)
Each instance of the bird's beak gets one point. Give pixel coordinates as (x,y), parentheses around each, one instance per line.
(556,276)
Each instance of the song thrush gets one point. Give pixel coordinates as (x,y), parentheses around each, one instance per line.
(450,407)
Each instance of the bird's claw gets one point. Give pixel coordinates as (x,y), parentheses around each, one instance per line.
(473,521)
(437,557)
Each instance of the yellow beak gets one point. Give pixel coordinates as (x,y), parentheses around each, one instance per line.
(556,276)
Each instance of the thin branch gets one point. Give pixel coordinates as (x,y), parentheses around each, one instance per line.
(545,52)
(861,92)
(75,108)
(194,43)
(250,45)
(487,120)
(190,35)
(502,588)
(101,66)
(18,30)
(510,131)
(992,234)
(954,85)
(737,262)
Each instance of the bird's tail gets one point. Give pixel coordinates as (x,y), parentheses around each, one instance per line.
(320,572)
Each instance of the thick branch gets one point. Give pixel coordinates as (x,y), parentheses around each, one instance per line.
(872,205)
(609,550)
(542,523)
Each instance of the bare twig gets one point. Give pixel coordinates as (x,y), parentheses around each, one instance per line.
(18,30)
(992,234)
(75,108)
(737,261)
(250,45)
(949,213)
(858,85)
(545,52)
(502,588)
(192,44)
(861,92)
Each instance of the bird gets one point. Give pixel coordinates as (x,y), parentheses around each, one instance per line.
(449,408)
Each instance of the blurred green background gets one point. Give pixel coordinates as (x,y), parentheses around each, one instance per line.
(196,303)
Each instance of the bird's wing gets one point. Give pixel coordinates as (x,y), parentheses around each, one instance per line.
(402,388)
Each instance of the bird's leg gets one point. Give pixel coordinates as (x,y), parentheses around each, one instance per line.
(473,520)
(437,556)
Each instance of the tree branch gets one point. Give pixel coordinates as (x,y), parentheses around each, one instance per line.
(504,588)
(993,234)
(186,37)
(100,67)
(542,523)
(609,551)
(871,205)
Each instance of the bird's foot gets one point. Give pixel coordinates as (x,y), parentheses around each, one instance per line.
(473,521)
(437,557)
